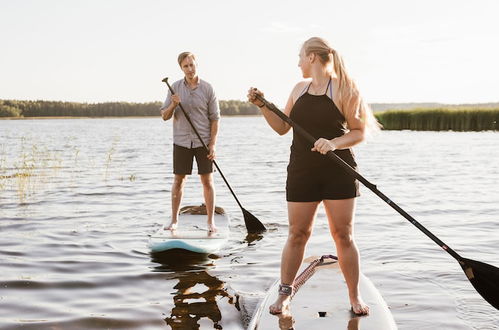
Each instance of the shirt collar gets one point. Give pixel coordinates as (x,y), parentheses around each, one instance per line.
(187,84)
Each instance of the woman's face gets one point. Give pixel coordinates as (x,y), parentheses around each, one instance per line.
(304,64)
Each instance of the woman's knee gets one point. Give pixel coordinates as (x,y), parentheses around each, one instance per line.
(343,238)
(298,237)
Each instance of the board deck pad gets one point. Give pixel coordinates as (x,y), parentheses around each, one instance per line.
(192,234)
(322,303)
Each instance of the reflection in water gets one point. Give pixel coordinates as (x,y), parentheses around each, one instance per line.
(193,302)
(177,260)
(353,324)
(251,238)
(198,293)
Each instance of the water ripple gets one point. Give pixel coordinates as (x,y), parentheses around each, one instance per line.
(74,251)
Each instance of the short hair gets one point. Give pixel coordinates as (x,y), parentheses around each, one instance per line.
(183,56)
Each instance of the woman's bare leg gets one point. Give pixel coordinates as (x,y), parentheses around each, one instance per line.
(301,220)
(340,215)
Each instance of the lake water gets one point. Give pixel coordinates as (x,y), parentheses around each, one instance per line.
(78,199)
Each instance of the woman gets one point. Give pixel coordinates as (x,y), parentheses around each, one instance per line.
(329,107)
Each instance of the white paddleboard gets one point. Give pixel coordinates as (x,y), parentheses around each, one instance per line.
(322,303)
(192,233)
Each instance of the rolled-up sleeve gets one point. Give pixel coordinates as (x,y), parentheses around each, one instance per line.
(213,107)
(168,100)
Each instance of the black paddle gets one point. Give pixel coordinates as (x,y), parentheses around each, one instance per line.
(484,277)
(253,225)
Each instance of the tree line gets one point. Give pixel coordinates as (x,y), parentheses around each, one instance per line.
(426,119)
(441,119)
(17,108)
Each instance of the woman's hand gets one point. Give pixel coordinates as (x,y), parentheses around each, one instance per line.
(323,146)
(252,96)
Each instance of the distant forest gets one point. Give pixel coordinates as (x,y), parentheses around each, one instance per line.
(400,116)
(14,108)
(411,106)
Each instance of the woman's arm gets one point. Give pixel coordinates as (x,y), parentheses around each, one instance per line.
(277,124)
(353,112)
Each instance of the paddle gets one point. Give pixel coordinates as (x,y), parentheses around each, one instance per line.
(484,277)
(253,225)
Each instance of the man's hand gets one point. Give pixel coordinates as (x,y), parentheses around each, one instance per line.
(211,154)
(167,113)
(175,99)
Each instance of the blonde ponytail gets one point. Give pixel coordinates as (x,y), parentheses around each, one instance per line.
(351,102)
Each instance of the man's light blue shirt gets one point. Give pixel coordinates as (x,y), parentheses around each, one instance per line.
(201,105)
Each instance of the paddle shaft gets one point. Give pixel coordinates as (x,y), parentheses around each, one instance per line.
(204,144)
(331,155)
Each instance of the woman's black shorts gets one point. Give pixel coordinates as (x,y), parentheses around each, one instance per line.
(314,184)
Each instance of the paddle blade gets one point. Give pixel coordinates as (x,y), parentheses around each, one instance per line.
(253,225)
(485,279)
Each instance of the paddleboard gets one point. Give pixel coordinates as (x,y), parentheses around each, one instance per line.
(322,303)
(191,233)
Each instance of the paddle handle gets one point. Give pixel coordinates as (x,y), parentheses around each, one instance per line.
(331,155)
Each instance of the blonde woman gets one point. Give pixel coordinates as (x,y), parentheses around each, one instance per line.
(329,107)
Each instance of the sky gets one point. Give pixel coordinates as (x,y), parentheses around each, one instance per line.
(119,50)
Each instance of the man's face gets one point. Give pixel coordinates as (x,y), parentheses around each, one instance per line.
(188,66)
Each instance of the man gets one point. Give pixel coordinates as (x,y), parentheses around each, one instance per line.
(199,101)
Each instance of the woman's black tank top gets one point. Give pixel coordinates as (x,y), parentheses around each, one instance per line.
(319,116)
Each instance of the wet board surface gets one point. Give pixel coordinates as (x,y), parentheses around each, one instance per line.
(322,303)
(192,235)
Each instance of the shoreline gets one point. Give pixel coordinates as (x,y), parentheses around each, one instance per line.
(101,117)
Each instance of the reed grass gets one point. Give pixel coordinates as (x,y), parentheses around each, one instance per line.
(28,171)
(110,156)
(441,119)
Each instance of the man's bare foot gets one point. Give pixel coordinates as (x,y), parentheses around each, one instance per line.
(281,305)
(212,228)
(171,226)
(359,307)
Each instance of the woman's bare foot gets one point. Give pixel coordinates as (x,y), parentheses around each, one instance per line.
(280,305)
(212,228)
(171,226)
(359,307)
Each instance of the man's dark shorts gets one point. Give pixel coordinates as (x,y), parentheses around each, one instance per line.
(182,160)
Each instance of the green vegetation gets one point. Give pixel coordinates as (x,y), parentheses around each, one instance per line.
(238,108)
(442,119)
(14,108)
(7,110)
(30,170)
(448,117)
